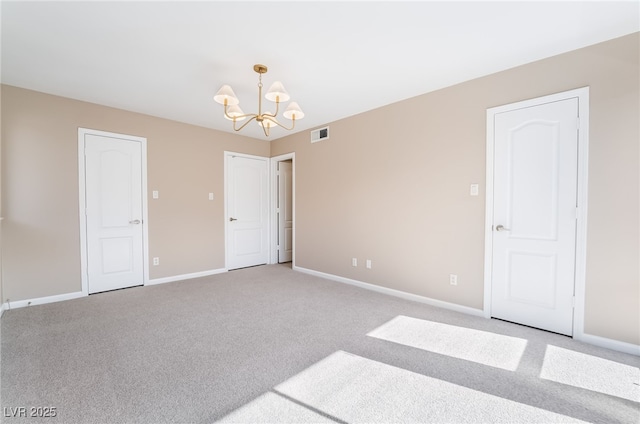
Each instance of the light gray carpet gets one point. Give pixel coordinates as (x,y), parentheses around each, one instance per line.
(268,344)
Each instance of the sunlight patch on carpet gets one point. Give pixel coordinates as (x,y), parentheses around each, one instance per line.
(591,373)
(494,350)
(355,389)
(272,408)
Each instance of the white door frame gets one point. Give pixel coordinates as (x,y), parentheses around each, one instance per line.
(273,251)
(82,132)
(582,94)
(227,155)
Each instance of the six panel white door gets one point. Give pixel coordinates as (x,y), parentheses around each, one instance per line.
(285,212)
(534,223)
(113,181)
(247,211)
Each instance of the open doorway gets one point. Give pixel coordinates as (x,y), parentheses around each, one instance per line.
(283,207)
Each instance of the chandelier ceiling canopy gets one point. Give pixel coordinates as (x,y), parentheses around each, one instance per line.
(267,120)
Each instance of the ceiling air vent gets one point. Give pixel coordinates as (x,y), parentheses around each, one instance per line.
(319,134)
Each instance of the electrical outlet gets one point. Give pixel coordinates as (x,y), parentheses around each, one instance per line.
(210,196)
(453,279)
(368,264)
(156,261)
(354,261)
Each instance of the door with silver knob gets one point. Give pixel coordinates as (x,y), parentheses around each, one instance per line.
(115,244)
(247,212)
(534,204)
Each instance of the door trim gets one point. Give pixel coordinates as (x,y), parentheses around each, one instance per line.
(228,154)
(273,250)
(582,94)
(82,132)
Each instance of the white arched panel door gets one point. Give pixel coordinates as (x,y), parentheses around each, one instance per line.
(114,212)
(534,215)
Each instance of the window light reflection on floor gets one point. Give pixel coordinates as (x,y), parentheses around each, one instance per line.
(351,388)
(591,372)
(494,350)
(344,387)
(273,408)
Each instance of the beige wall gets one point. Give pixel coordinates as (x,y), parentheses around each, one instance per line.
(392,185)
(41,246)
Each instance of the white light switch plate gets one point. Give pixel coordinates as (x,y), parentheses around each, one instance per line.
(473,189)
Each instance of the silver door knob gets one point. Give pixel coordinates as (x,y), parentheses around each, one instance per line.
(232,219)
(135,221)
(501,228)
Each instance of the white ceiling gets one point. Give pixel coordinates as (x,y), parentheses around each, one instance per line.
(336,59)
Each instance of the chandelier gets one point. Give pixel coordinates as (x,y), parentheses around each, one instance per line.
(267,120)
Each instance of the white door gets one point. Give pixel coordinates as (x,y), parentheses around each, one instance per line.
(247,211)
(534,221)
(285,211)
(113,184)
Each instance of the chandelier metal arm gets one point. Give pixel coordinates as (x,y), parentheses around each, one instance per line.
(275,121)
(253,116)
(238,117)
(273,115)
(265,129)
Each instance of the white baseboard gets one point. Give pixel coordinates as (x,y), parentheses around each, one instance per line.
(185,276)
(7,306)
(624,347)
(393,292)
(616,345)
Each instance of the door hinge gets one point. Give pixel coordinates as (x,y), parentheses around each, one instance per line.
(573,302)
